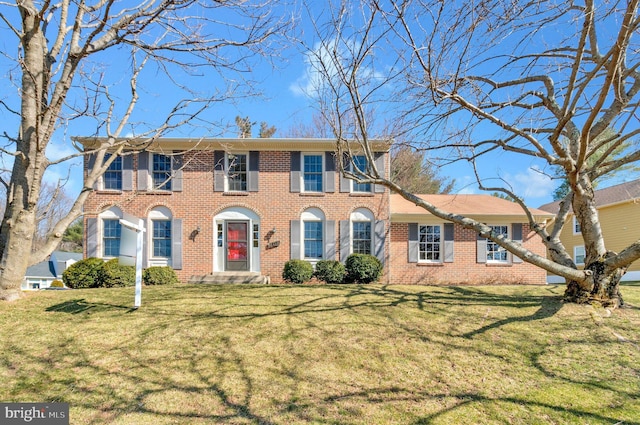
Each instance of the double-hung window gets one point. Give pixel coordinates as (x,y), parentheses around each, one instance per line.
(111,237)
(161,171)
(578,255)
(360,163)
(112,177)
(313,246)
(312,172)
(576,226)
(236,172)
(495,253)
(361,240)
(429,243)
(161,238)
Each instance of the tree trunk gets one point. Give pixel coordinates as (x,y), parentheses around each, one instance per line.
(603,286)
(19,224)
(15,258)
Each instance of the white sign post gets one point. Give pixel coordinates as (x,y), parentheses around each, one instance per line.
(131,239)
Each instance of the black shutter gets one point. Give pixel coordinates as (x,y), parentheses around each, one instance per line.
(448,242)
(414,248)
(218,171)
(296,171)
(516,236)
(329,172)
(254,171)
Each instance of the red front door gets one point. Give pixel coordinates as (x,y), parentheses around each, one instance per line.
(237,249)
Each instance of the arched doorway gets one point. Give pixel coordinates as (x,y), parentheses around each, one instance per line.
(237,242)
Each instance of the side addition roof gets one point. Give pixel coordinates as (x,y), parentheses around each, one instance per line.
(473,206)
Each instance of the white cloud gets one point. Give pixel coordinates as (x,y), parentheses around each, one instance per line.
(533,184)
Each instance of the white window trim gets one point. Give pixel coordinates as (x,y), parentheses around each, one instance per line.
(575,225)
(226,171)
(441,226)
(311,215)
(151,171)
(353,182)
(575,254)
(362,215)
(302,187)
(100,181)
(113,213)
(508,260)
(158,214)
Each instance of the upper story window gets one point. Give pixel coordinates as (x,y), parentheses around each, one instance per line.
(496,253)
(312,170)
(429,243)
(236,172)
(112,177)
(576,226)
(161,172)
(360,162)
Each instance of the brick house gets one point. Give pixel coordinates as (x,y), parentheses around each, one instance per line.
(215,207)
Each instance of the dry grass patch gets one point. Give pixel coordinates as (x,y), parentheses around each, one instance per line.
(323,354)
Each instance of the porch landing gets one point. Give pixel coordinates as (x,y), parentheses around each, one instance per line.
(230,277)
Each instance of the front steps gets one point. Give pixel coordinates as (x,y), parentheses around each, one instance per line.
(231,277)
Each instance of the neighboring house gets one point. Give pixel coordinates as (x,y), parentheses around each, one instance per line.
(619,212)
(216,206)
(41,275)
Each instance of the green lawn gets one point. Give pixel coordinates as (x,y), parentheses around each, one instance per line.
(324,355)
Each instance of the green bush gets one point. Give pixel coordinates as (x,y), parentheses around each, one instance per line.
(113,275)
(159,275)
(362,268)
(297,271)
(330,271)
(57,284)
(83,274)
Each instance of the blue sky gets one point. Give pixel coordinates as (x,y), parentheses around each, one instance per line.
(284,105)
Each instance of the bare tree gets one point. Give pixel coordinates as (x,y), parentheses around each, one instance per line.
(539,79)
(89,63)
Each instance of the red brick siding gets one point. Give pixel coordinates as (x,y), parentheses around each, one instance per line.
(464,269)
(198,204)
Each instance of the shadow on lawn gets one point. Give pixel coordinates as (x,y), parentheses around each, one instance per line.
(220,383)
(82,306)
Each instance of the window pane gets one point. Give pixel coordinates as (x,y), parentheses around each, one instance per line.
(360,161)
(111,237)
(494,251)
(161,172)
(113,176)
(362,237)
(312,173)
(237,175)
(429,246)
(162,238)
(313,239)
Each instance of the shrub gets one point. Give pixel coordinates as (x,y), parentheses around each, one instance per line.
(83,274)
(157,275)
(113,274)
(297,271)
(330,271)
(57,284)
(362,268)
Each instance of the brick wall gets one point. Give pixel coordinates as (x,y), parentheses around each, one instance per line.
(274,204)
(464,269)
